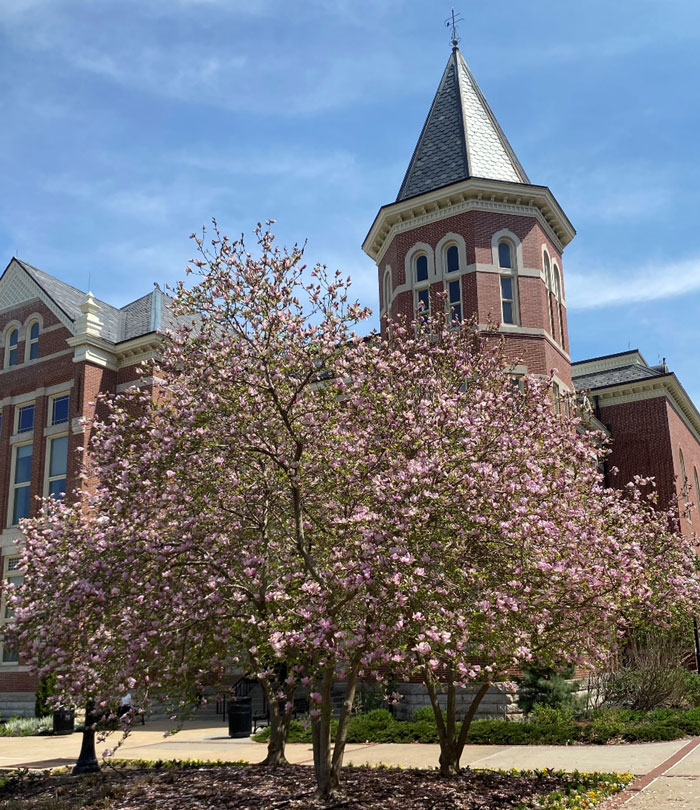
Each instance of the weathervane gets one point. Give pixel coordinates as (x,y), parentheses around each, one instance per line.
(451,22)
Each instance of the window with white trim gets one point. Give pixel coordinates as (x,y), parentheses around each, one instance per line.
(547,284)
(57,465)
(420,264)
(59,409)
(20,488)
(32,347)
(697,489)
(557,300)
(452,259)
(454,300)
(387,290)
(509,303)
(12,577)
(684,483)
(12,349)
(25,418)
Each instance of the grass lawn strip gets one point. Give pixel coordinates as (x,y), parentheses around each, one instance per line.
(196,785)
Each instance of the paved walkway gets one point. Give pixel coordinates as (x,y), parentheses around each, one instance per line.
(669,772)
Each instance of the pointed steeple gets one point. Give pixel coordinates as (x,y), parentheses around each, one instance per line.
(461,138)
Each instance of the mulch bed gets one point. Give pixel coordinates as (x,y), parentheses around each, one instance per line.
(254,787)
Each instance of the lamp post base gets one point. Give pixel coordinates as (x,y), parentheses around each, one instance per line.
(87,760)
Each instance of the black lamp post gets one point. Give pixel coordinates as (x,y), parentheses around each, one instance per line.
(87,761)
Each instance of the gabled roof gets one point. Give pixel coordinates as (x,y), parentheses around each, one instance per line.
(461,138)
(149,313)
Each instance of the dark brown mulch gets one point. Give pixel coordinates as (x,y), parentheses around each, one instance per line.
(253,787)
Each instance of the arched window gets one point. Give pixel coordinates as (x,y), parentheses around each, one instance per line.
(684,482)
(11,350)
(421,268)
(556,284)
(452,258)
(547,284)
(697,488)
(387,290)
(509,302)
(32,348)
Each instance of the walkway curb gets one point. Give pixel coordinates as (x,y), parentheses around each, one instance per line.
(641,783)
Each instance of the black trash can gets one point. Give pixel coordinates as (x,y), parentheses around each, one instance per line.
(240,717)
(63,721)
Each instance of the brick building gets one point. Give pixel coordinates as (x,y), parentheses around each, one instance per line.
(468,231)
(59,347)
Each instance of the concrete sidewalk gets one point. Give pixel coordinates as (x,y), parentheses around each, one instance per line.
(674,784)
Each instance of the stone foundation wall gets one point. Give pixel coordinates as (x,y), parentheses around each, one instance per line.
(17,704)
(500,701)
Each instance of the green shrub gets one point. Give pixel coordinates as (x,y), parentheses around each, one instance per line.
(546,686)
(45,690)
(26,726)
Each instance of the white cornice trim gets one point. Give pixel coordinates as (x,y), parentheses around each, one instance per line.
(469,195)
(93,350)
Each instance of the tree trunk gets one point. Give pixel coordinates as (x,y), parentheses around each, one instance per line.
(451,744)
(279,726)
(342,733)
(326,781)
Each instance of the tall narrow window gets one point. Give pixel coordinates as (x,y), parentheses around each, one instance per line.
(12,577)
(21,483)
(58,464)
(452,256)
(547,284)
(684,485)
(454,300)
(33,342)
(509,304)
(12,348)
(557,302)
(423,304)
(421,268)
(697,489)
(387,291)
(556,396)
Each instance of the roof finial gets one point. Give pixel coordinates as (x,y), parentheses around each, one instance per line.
(451,22)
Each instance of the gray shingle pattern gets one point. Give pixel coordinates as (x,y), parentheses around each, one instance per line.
(147,314)
(615,376)
(460,138)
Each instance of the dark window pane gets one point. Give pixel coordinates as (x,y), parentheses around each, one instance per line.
(456,313)
(23,464)
(424,300)
(59,456)
(452,259)
(422,268)
(60,410)
(504,258)
(507,312)
(506,288)
(21,505)
(9,655)
(34,333)
(26,419)
(12,361)
(33,350)
(454,292)
(14,337)
(57,489)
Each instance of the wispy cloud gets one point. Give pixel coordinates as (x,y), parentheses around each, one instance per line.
(608,288)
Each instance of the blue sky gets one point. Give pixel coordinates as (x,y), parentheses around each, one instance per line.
(127,124)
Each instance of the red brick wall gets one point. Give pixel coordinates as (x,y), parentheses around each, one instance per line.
(682,439)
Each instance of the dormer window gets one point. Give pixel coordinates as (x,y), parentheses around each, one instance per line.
(12,349)
(421,268)
(509,302)
(33,342)
(452,258)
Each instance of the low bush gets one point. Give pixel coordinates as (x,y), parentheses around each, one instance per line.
(26,726)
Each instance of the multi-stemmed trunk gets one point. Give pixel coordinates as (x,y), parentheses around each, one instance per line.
(452,742)
(328,758)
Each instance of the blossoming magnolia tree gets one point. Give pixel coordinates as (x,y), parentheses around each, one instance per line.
(315,507)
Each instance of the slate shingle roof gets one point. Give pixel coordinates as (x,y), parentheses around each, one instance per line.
(461,138)
(147,314)
(615,376)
